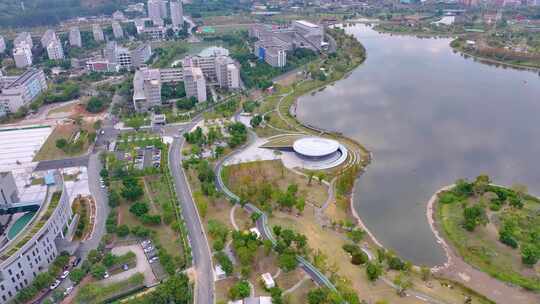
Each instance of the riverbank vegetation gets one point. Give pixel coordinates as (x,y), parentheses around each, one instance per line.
(493,228)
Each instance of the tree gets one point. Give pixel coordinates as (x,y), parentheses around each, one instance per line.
(300,204)
(321,176)
(94,256)
(359,258)
(114,198)
(131,189)
(76,275)
(310,175)
(240,290)
(139,209)
(474,216)
(61,143)
(122,230)
(426,273)
(98,271)
(255,216)
(287,261)
(317,296)
(403,282)
(530,254)
(225,262)
(95,105)
(373,271)
(255,121)
(43,280)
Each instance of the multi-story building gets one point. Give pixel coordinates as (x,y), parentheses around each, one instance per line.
(163,9)
(153,32)
(23,38)
(22,90)
(117,30)
(228,75)
(34,248)
(49,36)
(154,11)
(75,37)
(177,14)
(274,42)
(22,54)
(194,83)
(2,44)
(146,89)
(171,75)
(98,33)
(126,58)
(55,50)
(118,15)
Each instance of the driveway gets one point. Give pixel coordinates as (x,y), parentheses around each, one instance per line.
(142,266)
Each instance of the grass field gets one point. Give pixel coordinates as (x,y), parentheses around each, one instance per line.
(247,176)
(49,150)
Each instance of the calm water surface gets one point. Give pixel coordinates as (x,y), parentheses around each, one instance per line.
(430,117)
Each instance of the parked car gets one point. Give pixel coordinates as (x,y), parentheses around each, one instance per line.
(54,285)
(125,267)
(146,242)
(76,262)
(153,260)
(64,274)
(148,249)
(68,291)
(106,275)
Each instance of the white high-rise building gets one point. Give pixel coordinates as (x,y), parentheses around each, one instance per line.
(55,50)
(98,33)
(177,14)
(22,90)
(75,37)
(195,83)
(2,45)
(227,74)
(154,11)
(22,55)
(117,30)
(23,37)
(49,36)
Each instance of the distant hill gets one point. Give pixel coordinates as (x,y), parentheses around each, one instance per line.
(23,13)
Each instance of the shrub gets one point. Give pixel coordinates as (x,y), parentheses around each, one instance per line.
(225,262)
(359,258)
(239,290)
(139,208)
(351,248)
(122,230)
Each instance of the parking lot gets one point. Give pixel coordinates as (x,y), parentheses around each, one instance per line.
(144,157)
(142,265)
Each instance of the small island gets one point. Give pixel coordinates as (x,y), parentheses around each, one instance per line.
(493,228)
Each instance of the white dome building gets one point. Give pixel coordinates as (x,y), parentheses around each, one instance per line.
(319,153)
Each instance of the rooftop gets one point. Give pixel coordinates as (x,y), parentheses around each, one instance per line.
(315,146)
(306,23)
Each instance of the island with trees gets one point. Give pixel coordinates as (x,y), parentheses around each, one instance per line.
(493,228)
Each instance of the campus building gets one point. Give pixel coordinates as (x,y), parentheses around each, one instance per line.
(21,90)
(55,50)
(127,58)
(47,37)
(23,38)
(146,89)
(177,14)
(118,32)
(2,44)
(22,54)
(195,83)
(75,37)
(98,33)
(155,11)
(28,249)
(274,42)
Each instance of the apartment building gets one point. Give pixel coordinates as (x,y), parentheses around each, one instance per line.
(177,14)
(227,74)
(22,56)
(194,83)
(8,195)
(118,32)
(22,90)
(98,33)
(75,37)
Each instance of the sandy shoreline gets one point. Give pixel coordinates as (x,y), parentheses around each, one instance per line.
(440,240)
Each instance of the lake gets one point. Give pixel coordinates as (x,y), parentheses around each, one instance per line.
(430,116)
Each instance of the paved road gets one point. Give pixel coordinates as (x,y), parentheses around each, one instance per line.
(81,161)
(102,207)
(204,287)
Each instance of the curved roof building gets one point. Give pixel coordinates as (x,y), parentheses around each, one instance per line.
(316,147)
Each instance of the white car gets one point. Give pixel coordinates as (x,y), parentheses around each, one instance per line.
(146,243)
(64,274)
(106,275)
(54,285)
(153,260)
(148,249)
(68,291)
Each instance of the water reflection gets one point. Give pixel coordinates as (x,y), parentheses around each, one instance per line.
(429,116)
